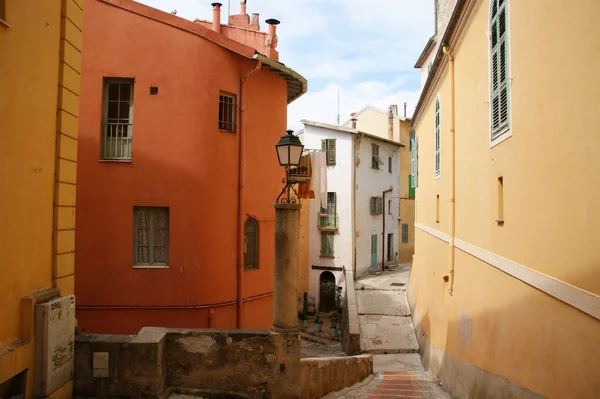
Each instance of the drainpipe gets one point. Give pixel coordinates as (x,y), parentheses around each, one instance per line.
(240,210)
(355,146)
(452,174)
(383,239)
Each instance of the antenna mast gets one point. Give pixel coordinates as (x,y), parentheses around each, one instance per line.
(338,113)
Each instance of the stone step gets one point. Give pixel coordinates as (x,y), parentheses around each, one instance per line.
(380,334)
(389,303)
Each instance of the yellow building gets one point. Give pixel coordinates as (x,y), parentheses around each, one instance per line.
(393,126)
(505,284)
(40,62)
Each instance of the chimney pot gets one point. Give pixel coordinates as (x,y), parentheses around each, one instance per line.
(353,121)
(216,23)
(272,36)
(243,7)
(405,104)
(255,18)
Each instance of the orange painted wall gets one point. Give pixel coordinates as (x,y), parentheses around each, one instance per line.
(180,160)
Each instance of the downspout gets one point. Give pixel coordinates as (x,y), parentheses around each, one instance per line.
(383,238)
(355,162)
(452,174)
(240,210)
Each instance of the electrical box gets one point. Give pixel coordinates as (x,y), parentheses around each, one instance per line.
(55,344)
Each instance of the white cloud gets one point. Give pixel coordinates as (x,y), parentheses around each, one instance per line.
(366,49)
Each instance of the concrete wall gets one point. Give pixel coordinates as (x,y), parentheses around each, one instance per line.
(350,328)
(526,292)
(371,183)
(323,375)
(339,180)
(157,361)
(182,161)
(40,53)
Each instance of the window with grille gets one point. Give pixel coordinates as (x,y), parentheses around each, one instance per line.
(151,236)
(404,233)
(327,243)
(117,121)
(251,244)
(499,48)
(329,145)
(376,205)
(437,137)
(375,160)
(227,112)
(390,164)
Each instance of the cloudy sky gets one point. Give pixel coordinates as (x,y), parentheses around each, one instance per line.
(365,49)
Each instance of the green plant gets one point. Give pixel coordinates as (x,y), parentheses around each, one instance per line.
(335,318)
(334,293)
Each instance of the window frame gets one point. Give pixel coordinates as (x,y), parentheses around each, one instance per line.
(390,164)
(256,264)
(323,235)
(376,205)
(505,129)
(230,127)
(375,160)
(106,82)
(405,232)
(151,264)
(437,140)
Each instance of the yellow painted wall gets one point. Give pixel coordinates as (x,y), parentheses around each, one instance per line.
(550,171)
(40,57)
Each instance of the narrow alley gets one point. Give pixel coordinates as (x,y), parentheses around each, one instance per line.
(387,332)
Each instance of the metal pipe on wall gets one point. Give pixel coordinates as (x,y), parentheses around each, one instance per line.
(383,238)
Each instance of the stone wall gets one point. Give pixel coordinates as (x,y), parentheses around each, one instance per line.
(156,361)
(350,329)
(319,376)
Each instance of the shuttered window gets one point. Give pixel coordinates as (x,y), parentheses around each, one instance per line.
(327,243)
(375,160)
(251,244)
(151,236)
(437,137)
(376,205)
(413,165)
(500,107)
(404,233)
(329,146)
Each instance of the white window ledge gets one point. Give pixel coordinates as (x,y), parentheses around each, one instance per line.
(500,138)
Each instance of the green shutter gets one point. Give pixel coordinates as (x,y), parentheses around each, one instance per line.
(411,187)
(500,106)
(331,151)
(327,244)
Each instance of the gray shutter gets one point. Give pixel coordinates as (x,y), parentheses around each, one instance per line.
(331,152)
(499,59)
(324,144)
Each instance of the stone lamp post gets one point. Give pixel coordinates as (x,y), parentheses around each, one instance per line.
(285,329)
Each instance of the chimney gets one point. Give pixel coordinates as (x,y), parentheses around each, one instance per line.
(216,17)
(392,111)
(254,19)
(243,7)
(405,110)
(353,119)
(272,36)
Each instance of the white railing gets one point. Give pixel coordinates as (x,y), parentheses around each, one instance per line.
(116,141)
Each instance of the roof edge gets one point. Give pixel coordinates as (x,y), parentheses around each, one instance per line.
(288,74)
(425,53)
(350,131)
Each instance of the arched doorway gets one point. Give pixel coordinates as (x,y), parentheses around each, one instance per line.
(326,300)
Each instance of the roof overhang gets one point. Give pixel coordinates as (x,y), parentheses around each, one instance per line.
(344,129)
(425,52)
(296,83)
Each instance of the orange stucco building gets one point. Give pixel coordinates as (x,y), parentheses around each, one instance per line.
(178,172)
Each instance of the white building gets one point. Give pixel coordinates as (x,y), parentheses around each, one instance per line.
(347,222)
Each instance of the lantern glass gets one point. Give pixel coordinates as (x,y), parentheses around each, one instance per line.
(289,150)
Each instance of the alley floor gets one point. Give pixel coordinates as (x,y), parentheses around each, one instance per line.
(387,332)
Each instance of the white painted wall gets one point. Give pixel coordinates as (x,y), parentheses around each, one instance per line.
(339,180)
(371,183)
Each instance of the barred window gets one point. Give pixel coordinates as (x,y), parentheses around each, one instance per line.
(151,236)
(227,112)
(251,244)
(117,121)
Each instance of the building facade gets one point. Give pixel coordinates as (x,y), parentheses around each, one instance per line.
(393,126)
(505,285)
(353,216)
(40,65)
(176,222)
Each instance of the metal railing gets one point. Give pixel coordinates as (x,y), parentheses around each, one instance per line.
(329,221)
(116,141)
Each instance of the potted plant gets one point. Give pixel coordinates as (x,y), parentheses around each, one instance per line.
(317,325)
(335,319)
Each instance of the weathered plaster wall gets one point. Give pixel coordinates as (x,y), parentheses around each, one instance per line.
(323,375)
(508,325)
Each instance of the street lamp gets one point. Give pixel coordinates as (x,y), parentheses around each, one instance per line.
(289,152)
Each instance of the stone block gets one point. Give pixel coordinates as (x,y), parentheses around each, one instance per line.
(64,265)
(64,217)
(67,147)
(65,194)
(68,125)
(66,285)
(68,101)
(73,12)
(71,33)
(71,55)
(66,171)
(64,241)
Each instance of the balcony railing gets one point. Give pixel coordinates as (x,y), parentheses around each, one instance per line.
(301,172)
(329,221)
(116,141)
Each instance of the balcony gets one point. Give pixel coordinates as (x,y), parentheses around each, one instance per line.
(302,172)
(328,221)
